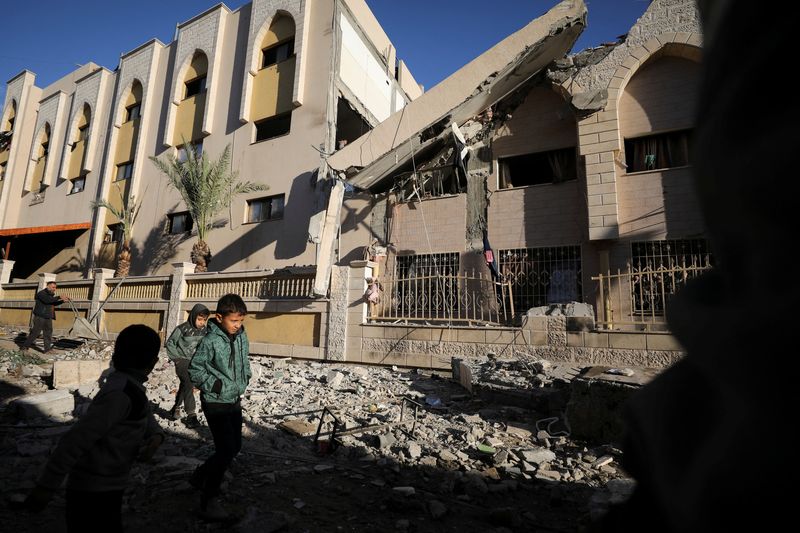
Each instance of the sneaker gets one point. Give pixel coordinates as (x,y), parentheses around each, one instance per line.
(191,422)
(213,511)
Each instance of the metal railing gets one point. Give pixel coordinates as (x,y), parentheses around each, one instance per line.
(465,299)
(637,296)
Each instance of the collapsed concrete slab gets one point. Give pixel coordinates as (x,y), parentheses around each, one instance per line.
(52,403)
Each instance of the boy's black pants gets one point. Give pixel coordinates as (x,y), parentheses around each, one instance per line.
(94,511)
(225,422)
(185,394)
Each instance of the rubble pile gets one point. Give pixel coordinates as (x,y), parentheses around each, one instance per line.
(464,457)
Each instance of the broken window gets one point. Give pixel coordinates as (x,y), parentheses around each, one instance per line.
(179,223)
(124,170)
(660,268)
(77,184)
(277,53)
(195,86)
(540,168)
(542,276)
(273,127)
(114,233)
(269,208)
(350,125)
(656,152)
(133,112)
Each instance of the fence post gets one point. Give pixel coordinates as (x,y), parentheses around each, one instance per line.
(44,279)
(101,276)
(6,266)
(177,293)
(336,334)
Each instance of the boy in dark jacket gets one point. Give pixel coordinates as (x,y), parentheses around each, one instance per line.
(98,451)
(180,348)
(220,368)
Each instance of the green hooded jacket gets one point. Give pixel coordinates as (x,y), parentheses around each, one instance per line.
(186,337)
(221,357)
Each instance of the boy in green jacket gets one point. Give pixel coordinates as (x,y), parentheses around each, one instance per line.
(220,368)
(180,348)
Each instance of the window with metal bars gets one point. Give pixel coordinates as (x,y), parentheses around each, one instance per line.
(427,285)
(542,276)
(660,268)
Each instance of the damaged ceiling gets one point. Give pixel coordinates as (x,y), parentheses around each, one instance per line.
(422,127)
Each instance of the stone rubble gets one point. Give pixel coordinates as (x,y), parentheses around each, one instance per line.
(477,448)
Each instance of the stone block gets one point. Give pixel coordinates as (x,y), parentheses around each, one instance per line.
(74,373)
(47,404)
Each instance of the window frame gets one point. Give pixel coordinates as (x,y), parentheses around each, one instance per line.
(276,47)
(129,111)
(74,181)
(505,182)
(201,80)
(126,164)
(171,217)
(268,201)
(274,118)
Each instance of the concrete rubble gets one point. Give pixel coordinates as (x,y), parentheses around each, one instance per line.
(501,455)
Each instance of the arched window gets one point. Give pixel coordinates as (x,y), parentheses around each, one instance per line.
(189,117)
(40,158)
(128,134)
(656,113)
(273,85)
(79,140)
(6,132)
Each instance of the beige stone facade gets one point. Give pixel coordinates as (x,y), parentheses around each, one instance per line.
(276,80)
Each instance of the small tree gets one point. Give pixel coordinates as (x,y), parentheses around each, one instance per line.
(207,188)
(127,217)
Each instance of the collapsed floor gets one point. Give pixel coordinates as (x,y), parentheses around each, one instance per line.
(498,459)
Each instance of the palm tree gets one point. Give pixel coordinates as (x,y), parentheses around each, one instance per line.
(126,214)
(207,188)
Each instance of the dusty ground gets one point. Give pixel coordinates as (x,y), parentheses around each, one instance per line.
(443,478)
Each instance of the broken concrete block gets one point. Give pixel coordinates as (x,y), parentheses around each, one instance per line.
(74,373)
(603,461)
(36,371)
(359,372)
(537,456)
(299,428)
(50,403)
(414,450)
(334,379)
(447,456)
(548,475)
(384,441)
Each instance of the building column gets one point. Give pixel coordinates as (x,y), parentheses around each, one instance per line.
(336,346)
(44,279)
(101,275)
(177,294)
(6,266)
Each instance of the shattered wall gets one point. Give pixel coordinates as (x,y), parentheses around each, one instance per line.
(661,17)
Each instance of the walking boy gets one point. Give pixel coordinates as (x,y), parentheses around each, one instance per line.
(98,451)
(220,368)
(44,312)
(180,348)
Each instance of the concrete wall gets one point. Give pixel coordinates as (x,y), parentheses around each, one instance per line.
(430,226)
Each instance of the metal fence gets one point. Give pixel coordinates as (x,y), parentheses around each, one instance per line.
(541,276)
(637,296)
(444,298)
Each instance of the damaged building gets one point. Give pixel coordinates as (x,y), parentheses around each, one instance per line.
(532,178)
(536,201)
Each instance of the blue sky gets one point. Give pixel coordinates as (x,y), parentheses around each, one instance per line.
(434,37)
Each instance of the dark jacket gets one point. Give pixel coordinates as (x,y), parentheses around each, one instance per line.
(45,304)
(185,338)
(99,449)
(221,357)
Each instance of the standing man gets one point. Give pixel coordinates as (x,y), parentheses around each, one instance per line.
(44,312)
